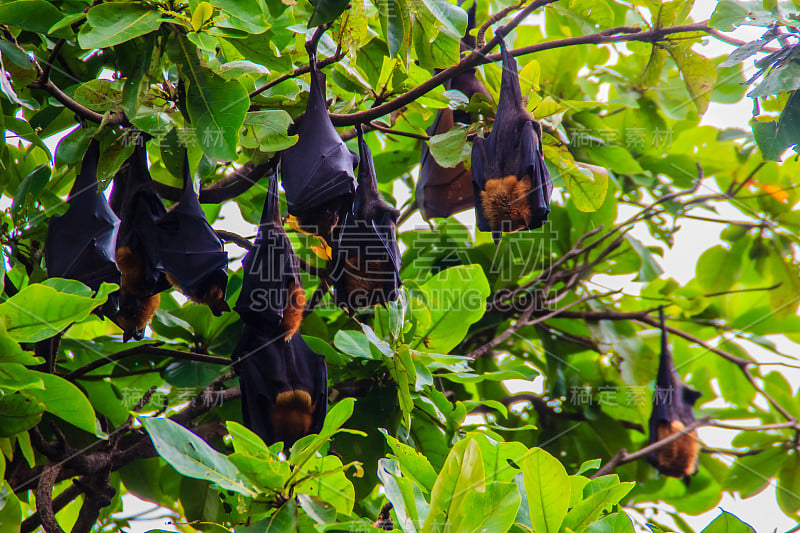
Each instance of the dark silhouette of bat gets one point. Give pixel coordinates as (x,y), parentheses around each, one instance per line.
(272,297)
(673,401)
(284,386)
(442,191)
(318,171)
(190,252)
(80,243)
(141,279)
(366,253)
(510,180)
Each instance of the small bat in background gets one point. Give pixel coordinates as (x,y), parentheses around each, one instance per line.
(510,180)
(190,252)
(272,297)
(284,386)
(141,280)
(318,171)
(673,402)
(443,191)
(366,252)
(80,243)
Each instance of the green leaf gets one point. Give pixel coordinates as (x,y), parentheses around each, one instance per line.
(353,343)
(267,131)
(547,489)
(414,464)
(588,510)
(699,74)
(750,474)
(202,14)
(456,298)
(65,400)
(113,23)
(18,412)
(10,510)
(326,11)
(649,270)
(32,15)
(783,79)
(728,523)
(586,188)
(788,489)
(718,269)
(305,448)
(217,108)
(38,311)
(29,190)
(245,16)
(193,457)
(395,18)
(99,95)
(450,148)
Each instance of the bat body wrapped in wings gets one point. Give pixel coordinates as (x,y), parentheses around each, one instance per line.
(272,298)
(80,243)
(673,402)
(141,279)
(318,172)
(442,191)
(367,257)
(190,252)
(284,386)
(510,180)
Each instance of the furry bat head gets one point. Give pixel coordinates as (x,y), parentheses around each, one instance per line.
(272,297)
(190,252)
(141,280)
(318,171)
(80,243)
(673,401)
(510,180)
(284,386)
(367,256)
(443,191)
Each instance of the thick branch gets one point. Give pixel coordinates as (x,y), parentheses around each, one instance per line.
(66,497)
(44,502)
(118,119)
(226,188)
(147,349)
(480,57)
(299,71)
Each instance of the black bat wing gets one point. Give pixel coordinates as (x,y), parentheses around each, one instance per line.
(80,243)
(673,403)
(284,386)
(319,167)
(511,182)
(190,251)
(271,272)
(367,255)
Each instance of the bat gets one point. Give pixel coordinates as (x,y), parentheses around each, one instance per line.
(272,297)
(442,191)
(141,279)
(190,252)
(80,243)
(510,181)
(673,401)
(318,172)
(367,256)
(284,386)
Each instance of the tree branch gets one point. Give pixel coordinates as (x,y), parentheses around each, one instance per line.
(623,457)
(118,119)
(299,71)
(44,502)
(226,188)
(146,349)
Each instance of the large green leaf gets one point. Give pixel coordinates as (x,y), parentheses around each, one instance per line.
(65,400)
(32,15)
(112,23)
(547,489)
(699,74)
(217,107)
(456,298)
(728,523)
(40,311)
(18,412)
(193,457)
(587,189)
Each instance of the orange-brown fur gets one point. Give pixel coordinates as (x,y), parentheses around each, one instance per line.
(292,415)
(293,310)
(679,457)
(214,297)
(505,203)
(130,268)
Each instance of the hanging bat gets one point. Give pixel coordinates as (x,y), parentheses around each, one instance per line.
(442,191)
(367,257)
(672,412)
(510,180)
(141,280)
(190,252)
(284,386)
(272,297)
(318,172)
(80,243)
